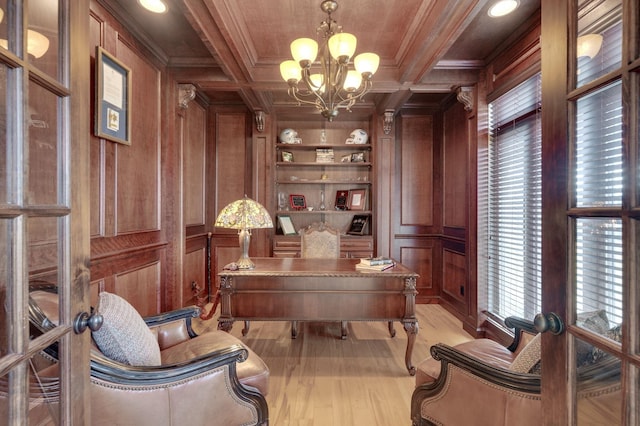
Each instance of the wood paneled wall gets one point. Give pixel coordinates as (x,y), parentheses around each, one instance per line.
(128,243)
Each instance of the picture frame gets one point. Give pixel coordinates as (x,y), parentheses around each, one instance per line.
(345,158)
(286,225)
(359,225)
(297,202)
(112,119)
(342,199)
(357,157)
(287,157)
(357,199)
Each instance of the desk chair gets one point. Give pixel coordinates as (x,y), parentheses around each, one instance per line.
(319,241)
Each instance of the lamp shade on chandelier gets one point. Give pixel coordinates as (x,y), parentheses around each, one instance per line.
(333,85)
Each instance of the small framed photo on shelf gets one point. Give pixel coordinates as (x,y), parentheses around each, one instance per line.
(297,202)
(357,199)
(287,156)
(357,157)
(342,199)
(286,225)
(359,225)
(345,158)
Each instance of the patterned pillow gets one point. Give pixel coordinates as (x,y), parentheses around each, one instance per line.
(124,336)
(528,357)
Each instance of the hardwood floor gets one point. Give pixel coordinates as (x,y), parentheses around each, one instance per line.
(320,380)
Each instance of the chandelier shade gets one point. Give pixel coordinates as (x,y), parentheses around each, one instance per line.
(323,75)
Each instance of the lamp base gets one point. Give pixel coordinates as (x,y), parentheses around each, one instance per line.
(245,263)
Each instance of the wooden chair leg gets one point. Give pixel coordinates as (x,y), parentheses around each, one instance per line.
(392,331)
(294,329)
(245,330)
(344,330)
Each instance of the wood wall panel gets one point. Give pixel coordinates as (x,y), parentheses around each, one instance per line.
(420,256)
(138,166)
(195,142)
(141,287)
(454,152)
(97,148)
(232,176)
(454,275)
(416,171)
(195,268)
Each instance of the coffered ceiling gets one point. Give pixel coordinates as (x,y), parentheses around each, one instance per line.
(231,49)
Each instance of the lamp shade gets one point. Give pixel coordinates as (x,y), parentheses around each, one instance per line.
(290,70)
(342,46)
(353,81)
(589,45)
(244,214)
(366,63)
(304,50)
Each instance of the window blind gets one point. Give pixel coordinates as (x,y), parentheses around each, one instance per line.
(514,202)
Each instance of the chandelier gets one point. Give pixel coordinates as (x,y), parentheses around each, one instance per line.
(333,86)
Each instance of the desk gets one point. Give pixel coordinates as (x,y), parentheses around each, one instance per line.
(293,289)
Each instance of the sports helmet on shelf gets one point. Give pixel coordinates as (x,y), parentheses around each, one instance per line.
(358,136)
(289,136)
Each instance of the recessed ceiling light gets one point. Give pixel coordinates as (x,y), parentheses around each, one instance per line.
(155,6)
(503,7)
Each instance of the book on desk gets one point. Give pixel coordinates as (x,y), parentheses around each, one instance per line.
(375,264)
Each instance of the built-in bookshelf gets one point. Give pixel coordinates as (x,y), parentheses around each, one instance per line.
(325,178)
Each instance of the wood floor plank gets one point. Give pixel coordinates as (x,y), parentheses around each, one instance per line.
(319,379)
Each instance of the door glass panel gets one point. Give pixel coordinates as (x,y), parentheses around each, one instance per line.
(43,146)
(599,42)
(5,255)
(3,23)
(43,248)
(599,296)
(599,398)
(5,182)
(598,169)
(43,35)
(44,391)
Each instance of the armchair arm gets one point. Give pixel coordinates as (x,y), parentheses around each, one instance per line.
(504,378)
(519,325)
(115,372)
(173,326)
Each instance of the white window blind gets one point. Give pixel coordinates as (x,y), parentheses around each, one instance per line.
(514,202)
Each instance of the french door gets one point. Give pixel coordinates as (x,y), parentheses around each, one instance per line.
(591,210)
(44,128)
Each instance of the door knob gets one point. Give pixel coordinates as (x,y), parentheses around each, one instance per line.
(548,322)
(83,320)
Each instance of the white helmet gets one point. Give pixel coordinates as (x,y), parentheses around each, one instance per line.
(289,136)
(358,136)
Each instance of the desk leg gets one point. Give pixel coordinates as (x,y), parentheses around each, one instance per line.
(411,327)
(225,325)
(392,330)
(245,330)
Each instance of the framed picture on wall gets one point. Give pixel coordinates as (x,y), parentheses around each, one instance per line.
(113,99)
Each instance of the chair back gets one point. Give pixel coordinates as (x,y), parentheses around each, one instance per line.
(320,241)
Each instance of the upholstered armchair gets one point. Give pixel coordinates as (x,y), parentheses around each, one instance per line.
(212,378)
(481,382)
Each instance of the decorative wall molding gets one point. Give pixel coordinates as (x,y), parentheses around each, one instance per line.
(388,121)
(260,121)
(186,93)
(465,97)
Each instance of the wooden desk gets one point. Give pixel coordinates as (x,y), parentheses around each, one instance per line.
(293,289)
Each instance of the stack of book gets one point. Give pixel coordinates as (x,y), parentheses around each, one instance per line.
(375,264)
(324,155)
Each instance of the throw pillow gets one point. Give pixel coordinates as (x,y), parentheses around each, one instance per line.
(124,336)
(595,321)
(528,357)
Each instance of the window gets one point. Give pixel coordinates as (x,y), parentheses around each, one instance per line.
(513,202)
